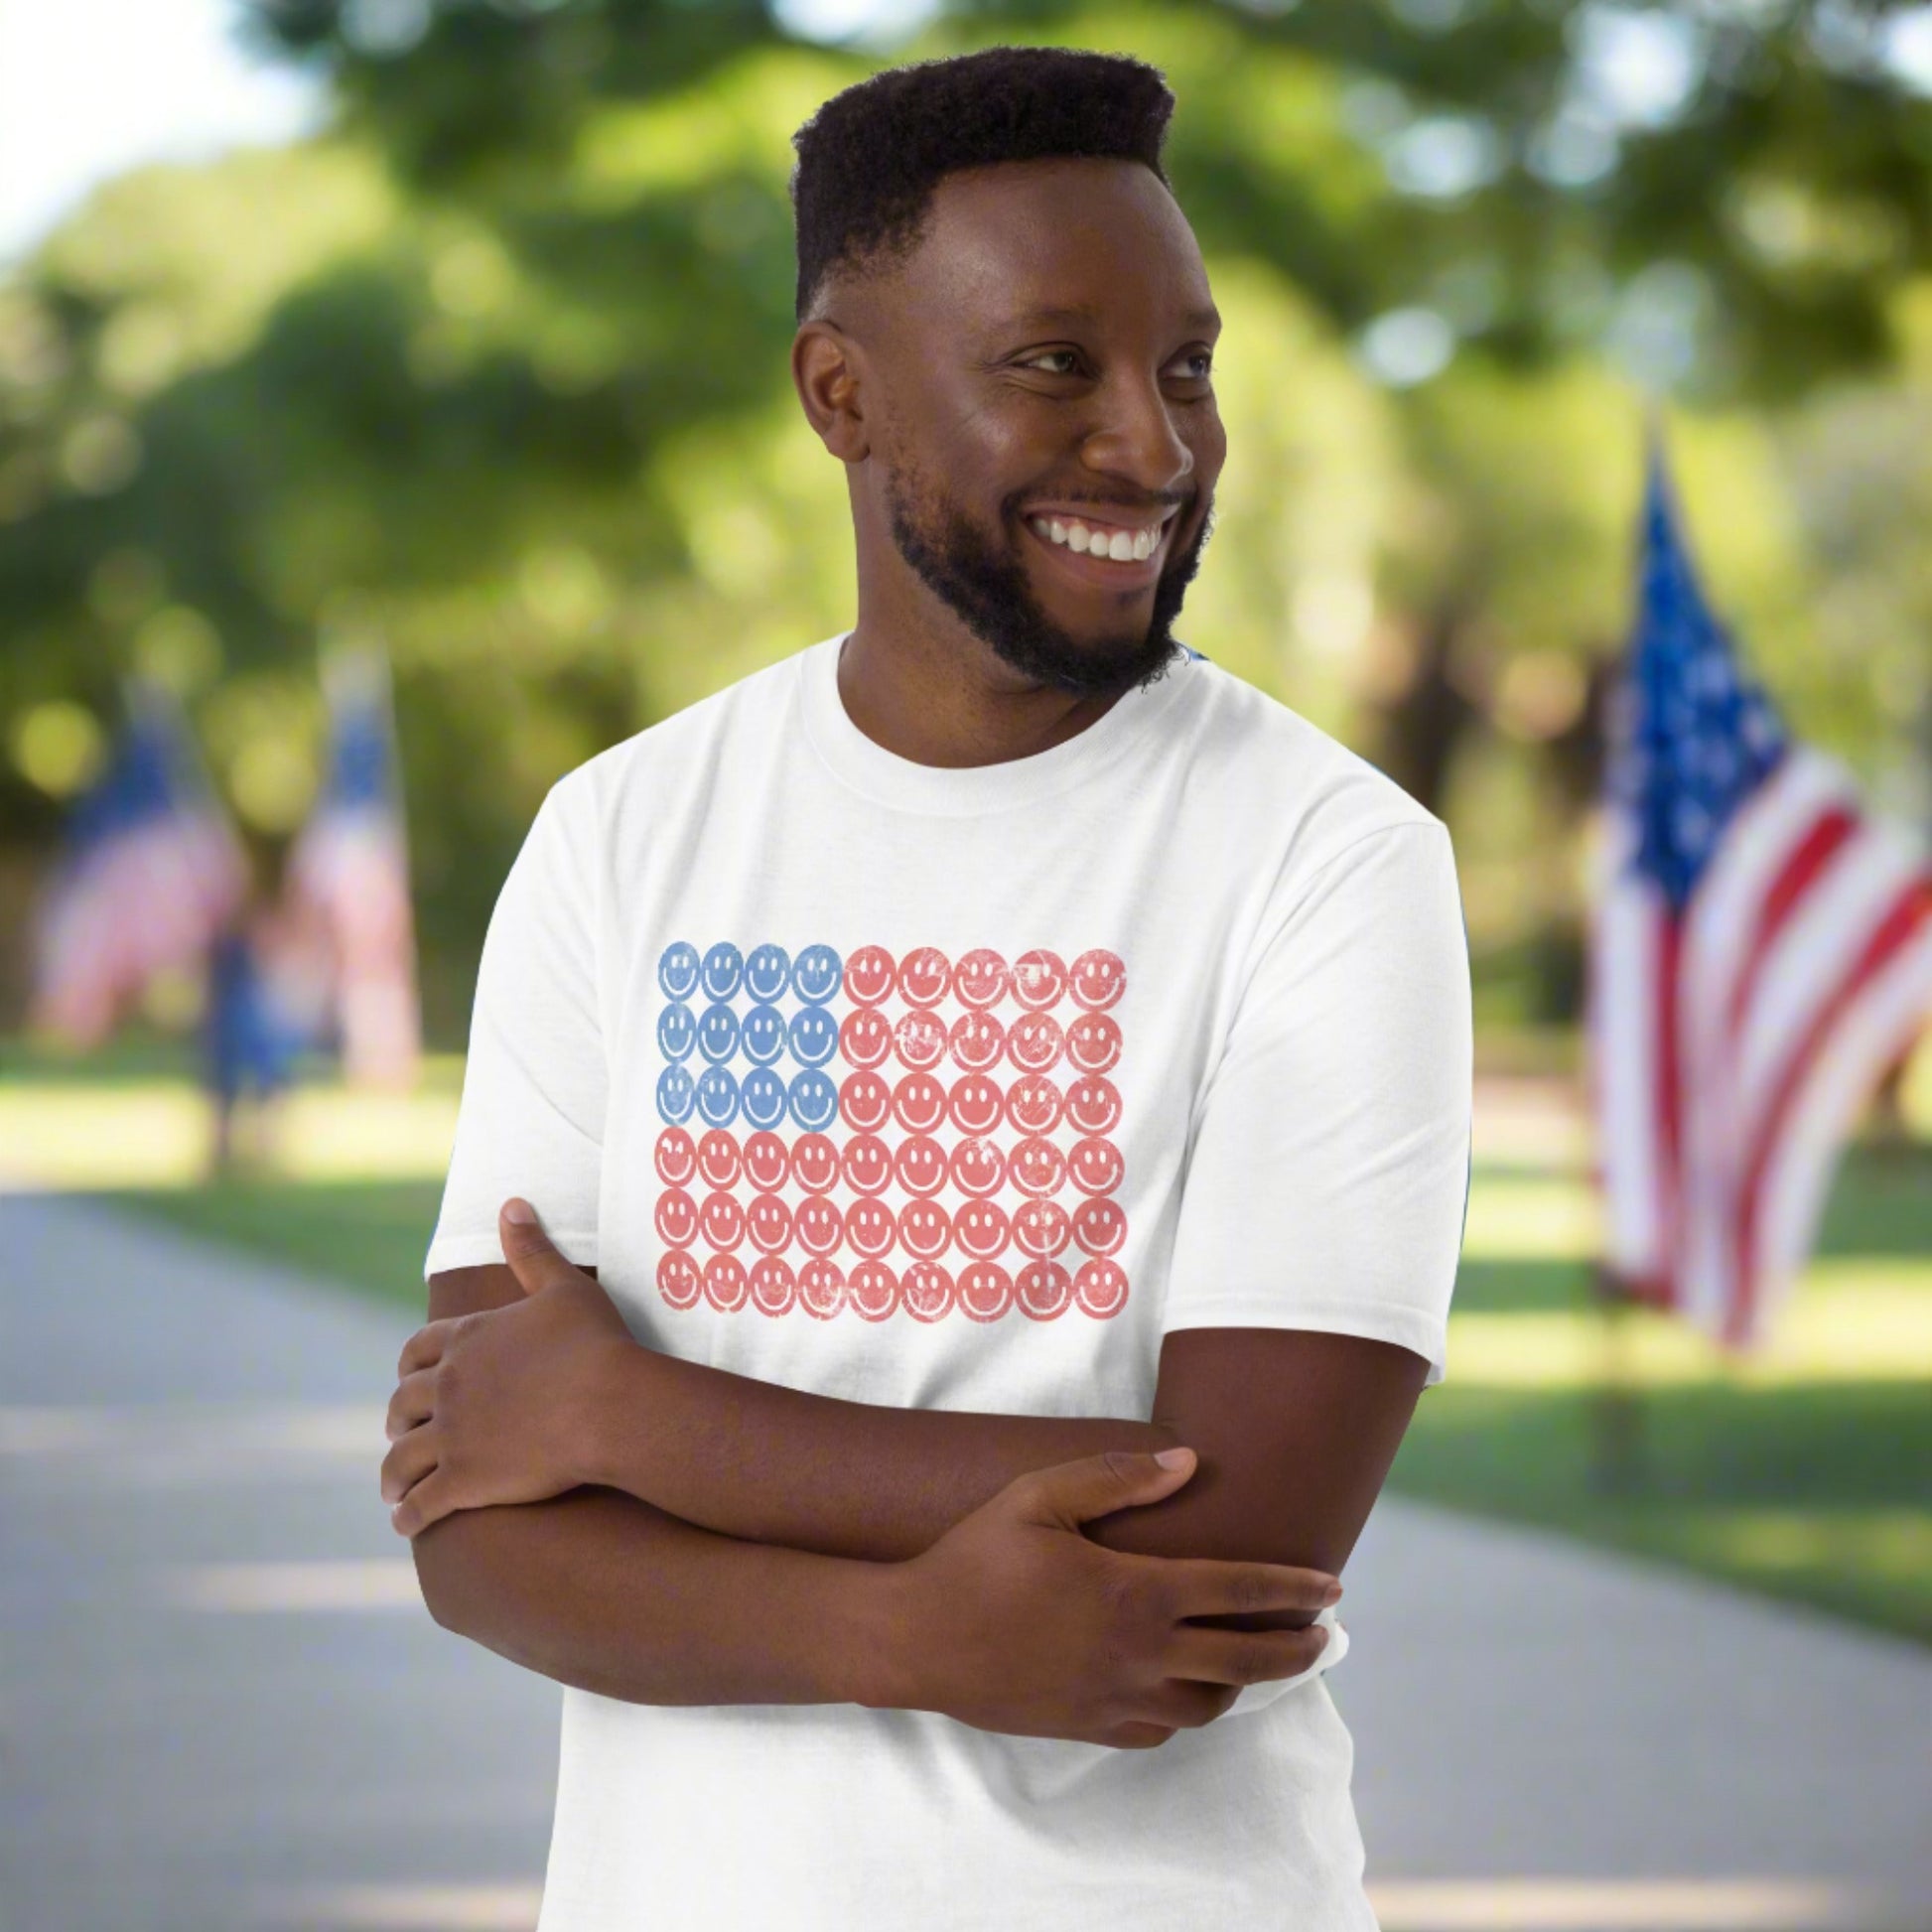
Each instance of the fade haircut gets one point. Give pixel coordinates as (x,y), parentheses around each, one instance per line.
(871,157)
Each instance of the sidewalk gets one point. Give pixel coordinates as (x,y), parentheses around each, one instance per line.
(224,1707)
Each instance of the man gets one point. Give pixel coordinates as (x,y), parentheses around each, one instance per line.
(987,1049)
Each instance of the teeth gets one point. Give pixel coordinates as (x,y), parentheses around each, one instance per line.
(1121,546)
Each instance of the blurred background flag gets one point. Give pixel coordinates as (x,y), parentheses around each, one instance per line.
(1760,954)
(152,872)
(348,881)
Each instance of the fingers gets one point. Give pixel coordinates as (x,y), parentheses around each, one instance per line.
(414,1401)
(1071,1493)
(425,1347)
(1212,1586)
(532,1256)
(427,1502)
(411,1459)
(1241,1657)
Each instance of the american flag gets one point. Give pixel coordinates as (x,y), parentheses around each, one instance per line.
(151,874)
(1761,953)
(348,877)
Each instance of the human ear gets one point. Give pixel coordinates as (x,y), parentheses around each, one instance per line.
(824,370)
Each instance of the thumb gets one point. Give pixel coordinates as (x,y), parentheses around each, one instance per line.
(532,1256)
(1075,1493)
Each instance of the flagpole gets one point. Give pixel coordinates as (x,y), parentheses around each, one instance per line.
(1617,1449)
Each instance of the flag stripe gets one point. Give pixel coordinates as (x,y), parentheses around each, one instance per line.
(1895,930)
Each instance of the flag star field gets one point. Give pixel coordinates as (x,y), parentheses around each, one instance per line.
(876,1133)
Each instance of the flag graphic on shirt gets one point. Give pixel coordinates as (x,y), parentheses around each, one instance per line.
(881,1132)
(1761,948)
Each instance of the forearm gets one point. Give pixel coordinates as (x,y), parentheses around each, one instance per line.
(851,1480)
(607,1593)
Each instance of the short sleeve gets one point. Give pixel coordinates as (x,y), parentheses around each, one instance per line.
(531,1118)
(1327,1179)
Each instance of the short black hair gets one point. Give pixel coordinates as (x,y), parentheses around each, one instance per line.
(871,157)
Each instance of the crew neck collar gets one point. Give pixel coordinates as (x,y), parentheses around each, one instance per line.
(977,789)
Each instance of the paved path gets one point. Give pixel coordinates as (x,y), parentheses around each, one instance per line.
(222,1704)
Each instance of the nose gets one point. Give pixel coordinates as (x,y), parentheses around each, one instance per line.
(1135,437)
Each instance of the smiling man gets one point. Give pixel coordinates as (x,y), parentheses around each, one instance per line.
(913,1088)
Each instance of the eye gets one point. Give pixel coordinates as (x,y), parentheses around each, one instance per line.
(1072,354)
(1204,356)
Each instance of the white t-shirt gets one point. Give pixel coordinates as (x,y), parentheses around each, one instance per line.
(960,1089)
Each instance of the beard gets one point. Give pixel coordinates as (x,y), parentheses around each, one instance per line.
(988,590)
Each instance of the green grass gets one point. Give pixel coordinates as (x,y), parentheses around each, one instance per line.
(370,1235)
(1818,1492)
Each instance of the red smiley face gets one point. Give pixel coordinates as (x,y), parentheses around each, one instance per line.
(984,1290)
(981,1229)
(919,1103)
(1100,1225)
(726,1285)
(678,1157)
(1093,1043)
(1093,1104)
(821,1289)
(678,1281)
(719,1161)
(1100,1288)
(1033,1041)
(772,1289)
(869,975)
(1043,1290)
(981,978)
(1040,1229)
(976,1041)
(768,1222)
(977,1165)
(976,1103)
(865,1102)
(817,1225)
(815,1163)
(925,1290)
(1037,1167)
(1098,979)
(866,1036)
(768,1161)
(722,1221)
(919,1040)
(871,1227)
(1038,980)
(1095,1165)
(872,1291)
(924,976)
(676,1217)
(924,1229)
(1033,1104)
(867,1164)
(921,1164)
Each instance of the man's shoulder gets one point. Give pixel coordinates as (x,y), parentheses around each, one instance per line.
(656,762)
(1295,781)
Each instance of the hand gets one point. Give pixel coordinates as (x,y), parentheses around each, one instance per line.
(503,1406)
(1015,1621)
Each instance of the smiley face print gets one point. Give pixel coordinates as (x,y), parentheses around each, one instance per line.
(912,1134)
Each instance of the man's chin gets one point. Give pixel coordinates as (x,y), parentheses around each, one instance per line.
(1102,668)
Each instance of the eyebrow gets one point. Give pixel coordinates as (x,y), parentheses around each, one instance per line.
(1208,318)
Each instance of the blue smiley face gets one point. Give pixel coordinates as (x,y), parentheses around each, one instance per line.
(766,972)
(677,1031)
(816,974)
(717,1034)
(677,1092)
(764,1098)
(718,1095)
(814,1100)
(814,1038)
(763,1034)
(721,971)
(677,970)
